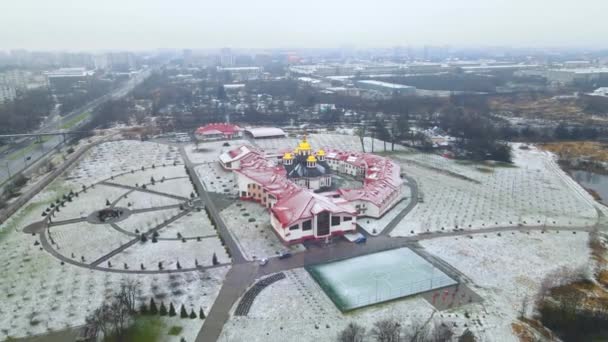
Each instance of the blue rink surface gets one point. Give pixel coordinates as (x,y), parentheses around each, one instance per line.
(379,277)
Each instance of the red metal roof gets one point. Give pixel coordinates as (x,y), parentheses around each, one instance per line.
(219,128)
(305,204)
(382,180)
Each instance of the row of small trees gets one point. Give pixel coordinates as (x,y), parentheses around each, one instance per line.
(114,317)
(162,310)
(390,330)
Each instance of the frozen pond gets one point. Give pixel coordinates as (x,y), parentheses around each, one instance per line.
(594,181)
(378,277)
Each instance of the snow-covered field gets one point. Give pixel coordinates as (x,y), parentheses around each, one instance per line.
(297,309)
(326,141)
(157,173)
(375,226)
(500,278)
(508,268)
(534,192)
(177,186)
(142,200)
(40,295)
(195,223)
(209,151)
(169,252)
(83,239)
(255,239)
(111,158)
(147,220)
(216,179)
(88,202)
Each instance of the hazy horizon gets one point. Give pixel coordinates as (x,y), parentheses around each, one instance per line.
(151,24)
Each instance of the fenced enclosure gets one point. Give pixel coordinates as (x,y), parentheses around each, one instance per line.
(377,278)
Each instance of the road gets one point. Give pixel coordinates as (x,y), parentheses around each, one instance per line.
(14,159)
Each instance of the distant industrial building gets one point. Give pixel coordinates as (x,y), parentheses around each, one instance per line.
(67,78)
(386,88)
(240,74)
(568,76)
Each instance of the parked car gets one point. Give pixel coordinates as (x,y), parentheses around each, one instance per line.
(361,239)
(284,254)
(263,262)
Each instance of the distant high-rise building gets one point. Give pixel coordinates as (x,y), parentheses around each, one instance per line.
(187,56)
(101,62)
(226,57)
(121,61)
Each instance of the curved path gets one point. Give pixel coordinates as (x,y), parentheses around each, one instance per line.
(42,229)
(243,274)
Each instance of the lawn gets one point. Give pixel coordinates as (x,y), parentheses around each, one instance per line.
(145,329)
(75,120)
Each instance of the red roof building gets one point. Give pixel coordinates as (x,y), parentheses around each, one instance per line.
(298,213)
(218,131)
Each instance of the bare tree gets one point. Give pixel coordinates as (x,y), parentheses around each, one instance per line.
(418,332)
(352,333)
(120,319)
(387,330)
(442,332)
(360,132)
(115,317)
(525,303)
(129,291)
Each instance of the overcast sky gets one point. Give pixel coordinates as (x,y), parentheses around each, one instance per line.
(144,24)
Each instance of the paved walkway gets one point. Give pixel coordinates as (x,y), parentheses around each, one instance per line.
(137,239)
(44,242)
(413,202)
(180,198)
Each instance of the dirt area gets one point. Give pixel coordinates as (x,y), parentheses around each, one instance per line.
(592,150)
(536,107)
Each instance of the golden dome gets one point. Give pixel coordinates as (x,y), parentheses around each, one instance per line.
(288,155)
(311,159)
(320,153)
(304,145)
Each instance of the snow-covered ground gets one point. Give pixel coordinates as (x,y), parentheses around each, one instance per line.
(111,158)
(503,270)
(169,252)
(209,151)
(335,141)
(375,226)
(147,220)
(83,239)
(88,202)
(142,200)
(157,173)
(195,223)
(177,186)
(297,309)
(216,179)
(533,192)
(508,268)
(40,295)
(255,239)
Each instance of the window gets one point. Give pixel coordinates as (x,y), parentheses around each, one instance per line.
(335,220)
(347,218)
(307,225)
(294,227)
